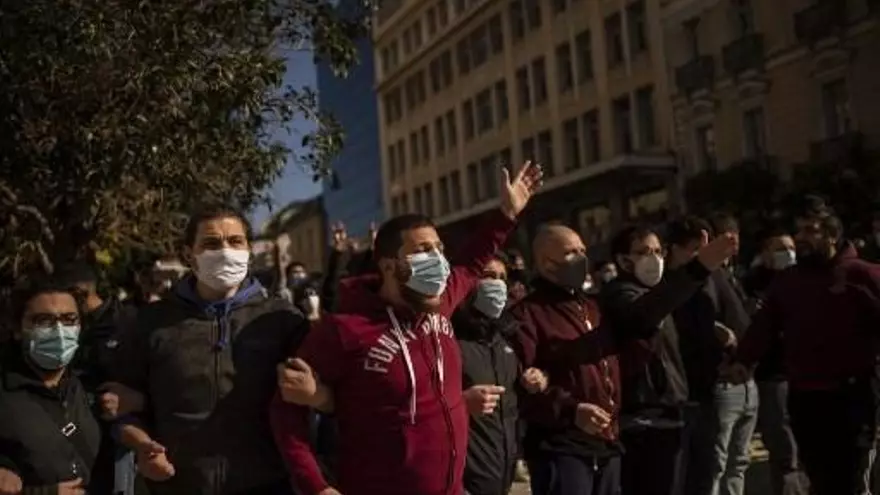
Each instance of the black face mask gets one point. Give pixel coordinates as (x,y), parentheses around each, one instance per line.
(572,274)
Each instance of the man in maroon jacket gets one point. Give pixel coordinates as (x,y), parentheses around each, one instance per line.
(390,361)
(572,443)
(826,311)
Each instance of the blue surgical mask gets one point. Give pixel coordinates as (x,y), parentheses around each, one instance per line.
(491,297)
(428,273)
(52,347)
(783,259)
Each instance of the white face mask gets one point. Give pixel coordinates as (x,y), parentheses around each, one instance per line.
(222,269)
(649,269)
(783,259)
(314,304)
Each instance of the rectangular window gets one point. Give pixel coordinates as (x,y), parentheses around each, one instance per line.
(523,90)
(559,6)
(467,114)
(386,61)
(501,103)
(484,111)
(539,80)
(614,40)
(434,71)
(404,203)
(592,136)
(489,171)
(439,136)
(706,157)
(564,70)
(584,57)
(645,109)
(517,19)
(545,152)
(836,109)
(392,162)
(426,145)
(419,81)
(479,46)
(417,199)
(505,158)
(444,196)
(446,68)
(496,34)
(442,14)
(452,129)
(401,156)
(409,88)
(533,14)
(474,184)
(417,35)
(455,192)
(432,21)
(464,56)
(622,125)
(414,154)
(527,150)
(389,109)
(638,38)
(572,139)
(754,133)
(429,200)
(460,6)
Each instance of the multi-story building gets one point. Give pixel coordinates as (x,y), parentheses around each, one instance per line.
(783,82)
(578,85)
(353,195)
(297,233)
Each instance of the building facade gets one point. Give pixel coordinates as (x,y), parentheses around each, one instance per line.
(354,194)
(297,233)
(782,82)
(577,85)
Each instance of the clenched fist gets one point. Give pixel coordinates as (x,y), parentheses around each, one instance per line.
(117,400)
(592,419)
(534,380)
(10,483)
(482,399)
(297,382)
(153,463)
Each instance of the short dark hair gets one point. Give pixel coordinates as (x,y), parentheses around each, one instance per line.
(42,284)
(75,272)
(621,243)
(686,229)
(723,222)
(292,265)
(815,209)
(213,212)
(389,238)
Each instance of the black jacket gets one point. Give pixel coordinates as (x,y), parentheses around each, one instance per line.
(701,350)
(488,359)
(93,365)
(31,442)
(208,373)
(653,379)
(756,284)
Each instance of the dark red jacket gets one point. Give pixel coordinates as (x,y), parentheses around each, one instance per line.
(828,319)
(582,360)
(387,446)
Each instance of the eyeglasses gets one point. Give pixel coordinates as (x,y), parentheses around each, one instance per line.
(50,319)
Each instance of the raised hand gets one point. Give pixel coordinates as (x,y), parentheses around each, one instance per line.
(153,463)
(10,483)
(714,254)
(534,380)
(516,192)
(340,237)
(297,382)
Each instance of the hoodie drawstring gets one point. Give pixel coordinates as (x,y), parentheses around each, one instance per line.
(397,331)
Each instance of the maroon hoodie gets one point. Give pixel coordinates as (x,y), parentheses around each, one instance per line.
(828,319)
(402,423)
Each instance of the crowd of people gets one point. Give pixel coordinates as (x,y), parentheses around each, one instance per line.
(402,371)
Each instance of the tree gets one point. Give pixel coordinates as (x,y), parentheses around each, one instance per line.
(118,116)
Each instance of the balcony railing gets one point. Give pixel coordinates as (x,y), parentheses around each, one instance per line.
(842,149)
(695,75)
(820,21)
(744,54)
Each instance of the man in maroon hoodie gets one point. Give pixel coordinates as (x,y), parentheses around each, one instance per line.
(826,311)
(572,443)
(390,360)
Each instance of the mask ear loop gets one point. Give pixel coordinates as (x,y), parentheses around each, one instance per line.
(401,340)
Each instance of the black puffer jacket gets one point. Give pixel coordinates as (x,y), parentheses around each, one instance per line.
(31,441)
(208,373)
(488,359)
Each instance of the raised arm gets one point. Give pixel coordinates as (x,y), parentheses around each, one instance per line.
(468,263)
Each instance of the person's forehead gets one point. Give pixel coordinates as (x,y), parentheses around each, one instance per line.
(420,235)
(494,266)
(222,226)
(780,241)
(649,241)
(51,302)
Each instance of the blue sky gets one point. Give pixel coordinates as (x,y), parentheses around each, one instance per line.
(296,183)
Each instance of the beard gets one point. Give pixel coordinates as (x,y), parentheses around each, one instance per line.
(419,302)
(810,256)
